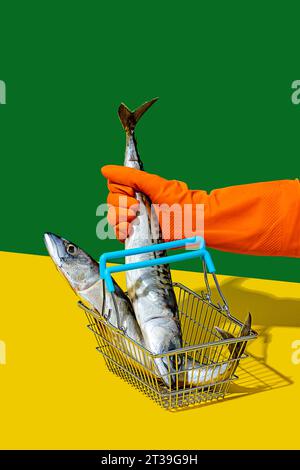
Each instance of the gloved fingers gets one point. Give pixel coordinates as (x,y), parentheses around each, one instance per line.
(123,230)
(147,183)
(121,200)
(116,215)
(116,188)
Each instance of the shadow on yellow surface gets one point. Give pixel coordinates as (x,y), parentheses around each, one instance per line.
(57,393)
(269,311)
(254,376)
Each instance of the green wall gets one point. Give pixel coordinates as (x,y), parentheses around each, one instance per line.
(223,72)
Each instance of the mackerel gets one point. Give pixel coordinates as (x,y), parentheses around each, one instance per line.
(150,289)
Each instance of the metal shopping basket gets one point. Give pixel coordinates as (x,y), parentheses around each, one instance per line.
(204,367)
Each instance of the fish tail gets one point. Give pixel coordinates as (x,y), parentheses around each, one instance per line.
(237,349)
(129,119)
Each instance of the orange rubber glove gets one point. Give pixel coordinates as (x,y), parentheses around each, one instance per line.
(257,218)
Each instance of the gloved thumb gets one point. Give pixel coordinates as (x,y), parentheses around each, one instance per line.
(158,189)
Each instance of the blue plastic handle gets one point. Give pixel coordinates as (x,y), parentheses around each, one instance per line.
(105,271)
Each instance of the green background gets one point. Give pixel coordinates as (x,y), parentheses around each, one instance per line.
(223,73)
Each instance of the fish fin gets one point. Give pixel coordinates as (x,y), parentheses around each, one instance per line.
(245,331)
(129,118)
(237,349)
(225,335)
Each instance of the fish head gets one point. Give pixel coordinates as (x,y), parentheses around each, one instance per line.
(75,264)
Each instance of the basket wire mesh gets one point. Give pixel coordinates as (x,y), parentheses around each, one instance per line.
(200,371)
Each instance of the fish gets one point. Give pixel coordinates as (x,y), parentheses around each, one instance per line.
(150,289)
(202,375)
(82,273)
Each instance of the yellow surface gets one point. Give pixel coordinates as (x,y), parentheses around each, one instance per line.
(56,393)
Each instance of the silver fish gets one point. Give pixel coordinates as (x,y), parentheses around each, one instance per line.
(197,374)
(150,289)
(82,273)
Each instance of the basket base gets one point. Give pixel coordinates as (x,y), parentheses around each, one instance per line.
(171,400)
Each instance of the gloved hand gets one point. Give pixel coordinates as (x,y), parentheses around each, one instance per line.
(124,181)
(258,218)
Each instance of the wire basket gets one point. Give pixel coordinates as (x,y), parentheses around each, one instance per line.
(202,369)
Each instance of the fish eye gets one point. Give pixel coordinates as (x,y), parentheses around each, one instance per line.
(71,249)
